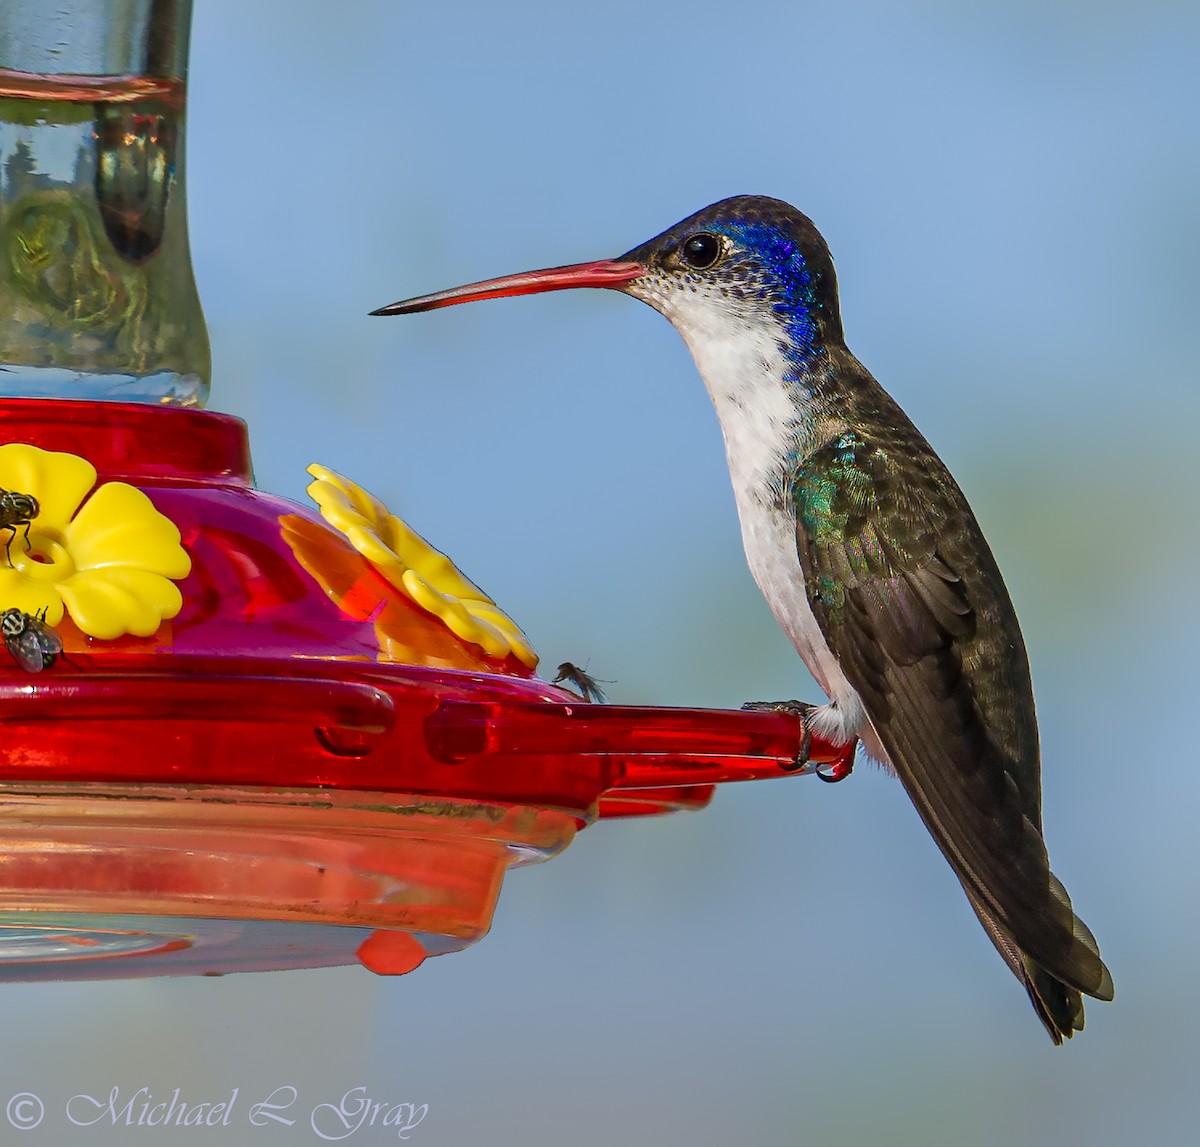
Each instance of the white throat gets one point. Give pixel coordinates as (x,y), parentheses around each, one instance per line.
(742,365)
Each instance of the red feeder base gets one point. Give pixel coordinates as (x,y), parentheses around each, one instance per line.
(302,768)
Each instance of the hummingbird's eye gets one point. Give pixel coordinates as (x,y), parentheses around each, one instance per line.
(700,251)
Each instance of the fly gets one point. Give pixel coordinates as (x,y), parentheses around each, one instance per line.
(16,510)
(587,686)
(30,639)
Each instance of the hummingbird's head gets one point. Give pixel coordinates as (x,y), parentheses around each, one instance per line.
(745,263)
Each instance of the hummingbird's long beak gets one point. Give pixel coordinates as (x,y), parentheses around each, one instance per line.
(603,273)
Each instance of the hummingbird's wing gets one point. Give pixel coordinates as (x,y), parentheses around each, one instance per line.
(912,604)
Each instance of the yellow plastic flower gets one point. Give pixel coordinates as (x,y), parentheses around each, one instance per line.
(109,561)
(415,568)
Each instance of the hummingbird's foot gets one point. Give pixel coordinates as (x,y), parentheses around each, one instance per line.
(830,773)
(840,769)
(801,709)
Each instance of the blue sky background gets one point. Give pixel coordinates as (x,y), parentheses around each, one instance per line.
(1011,193)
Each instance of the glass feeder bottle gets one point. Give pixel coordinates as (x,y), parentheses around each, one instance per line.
(97,295)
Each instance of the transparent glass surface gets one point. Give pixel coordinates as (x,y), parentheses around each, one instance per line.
(97,296)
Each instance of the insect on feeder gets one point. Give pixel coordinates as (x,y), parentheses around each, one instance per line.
(240,733)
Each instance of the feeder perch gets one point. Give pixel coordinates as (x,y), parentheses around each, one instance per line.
(275,736)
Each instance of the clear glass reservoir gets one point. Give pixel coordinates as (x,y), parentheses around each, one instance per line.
(97,295)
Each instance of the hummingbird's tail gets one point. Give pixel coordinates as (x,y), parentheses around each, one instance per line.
(1058,1005)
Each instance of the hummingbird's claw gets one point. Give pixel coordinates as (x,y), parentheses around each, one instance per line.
(830,773)
(801,709)
(840,769)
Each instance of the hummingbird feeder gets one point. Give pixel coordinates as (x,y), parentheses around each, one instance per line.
(240,733)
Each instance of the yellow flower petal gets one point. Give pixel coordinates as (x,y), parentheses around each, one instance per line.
(337,495)
(17,592)
(461,622)
(58,481)
(433,565)
(119,527)
(515,637)
(118,600)
(374,549)
(412,565)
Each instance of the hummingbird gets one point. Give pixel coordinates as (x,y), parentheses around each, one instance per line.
(870,559)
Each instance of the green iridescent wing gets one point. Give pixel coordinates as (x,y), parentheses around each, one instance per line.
(911,603)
